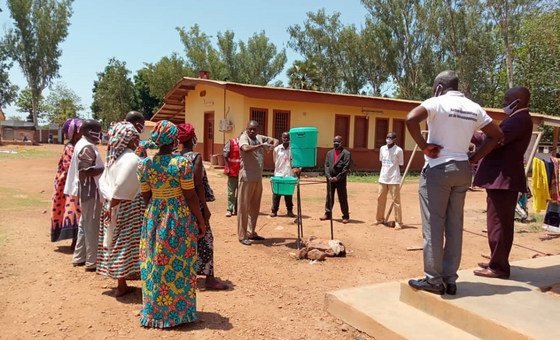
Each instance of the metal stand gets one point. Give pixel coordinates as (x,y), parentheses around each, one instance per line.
(299,217)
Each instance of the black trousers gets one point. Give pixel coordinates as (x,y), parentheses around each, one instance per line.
(276,202)
(340,188)
(499,223)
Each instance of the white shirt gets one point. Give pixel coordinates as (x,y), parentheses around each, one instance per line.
(391,159)
(452,120)
(282,161)
(72,185)
(119,180)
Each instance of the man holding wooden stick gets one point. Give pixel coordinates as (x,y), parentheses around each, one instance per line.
(391,157)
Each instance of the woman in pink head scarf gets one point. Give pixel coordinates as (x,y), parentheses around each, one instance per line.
(65,212)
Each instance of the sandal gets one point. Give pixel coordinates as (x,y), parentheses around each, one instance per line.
(216,285)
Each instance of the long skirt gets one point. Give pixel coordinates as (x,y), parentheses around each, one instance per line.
(122,260)
(168,264)
(206,253)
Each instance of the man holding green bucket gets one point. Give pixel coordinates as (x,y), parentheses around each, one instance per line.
(282,168)
(252,146)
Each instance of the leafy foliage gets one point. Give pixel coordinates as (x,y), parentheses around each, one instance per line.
(8,91)
(113,93)
(256,61)
(62,103)
(39,28)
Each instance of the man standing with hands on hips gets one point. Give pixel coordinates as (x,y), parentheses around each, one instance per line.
(446,176)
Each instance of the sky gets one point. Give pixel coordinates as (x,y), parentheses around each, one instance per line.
(142,31)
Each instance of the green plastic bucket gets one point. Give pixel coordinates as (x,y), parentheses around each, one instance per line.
(303,142)
(283,185)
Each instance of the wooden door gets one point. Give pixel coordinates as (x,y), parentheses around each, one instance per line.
(208,135)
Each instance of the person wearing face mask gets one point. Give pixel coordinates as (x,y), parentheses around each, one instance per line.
(83,181)
(391,157)
(123,210)
(502,174)
(337,164)
(249,194)
(282,157)
(205,247)
(137,119)
(452,119)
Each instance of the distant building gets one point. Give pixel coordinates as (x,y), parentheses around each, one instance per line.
(14,130)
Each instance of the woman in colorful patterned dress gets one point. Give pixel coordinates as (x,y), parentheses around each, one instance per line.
(169,234)
(187,139)
(121,222)
(65,212)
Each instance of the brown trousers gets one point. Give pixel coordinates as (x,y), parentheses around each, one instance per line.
(248,207)
(499,223)
(395,192)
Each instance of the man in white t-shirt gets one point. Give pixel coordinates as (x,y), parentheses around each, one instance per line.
(282,157)
(452,119)
(391,157)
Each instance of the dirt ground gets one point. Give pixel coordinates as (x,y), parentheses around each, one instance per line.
(273,296)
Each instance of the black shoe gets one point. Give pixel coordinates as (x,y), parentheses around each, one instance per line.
(79,264)
(451,289)
(246,242)
(256,238)
(291,214)
(424,284)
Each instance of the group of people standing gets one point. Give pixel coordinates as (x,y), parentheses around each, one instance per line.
(136,216)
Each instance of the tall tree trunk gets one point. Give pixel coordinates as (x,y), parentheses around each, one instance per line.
(507,43)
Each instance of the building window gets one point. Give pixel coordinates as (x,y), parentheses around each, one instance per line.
(381,130)
(281,123)
(400,130)
(342,127)
(361,128)
(261,117)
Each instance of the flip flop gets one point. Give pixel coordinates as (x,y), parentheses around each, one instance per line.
(216,286)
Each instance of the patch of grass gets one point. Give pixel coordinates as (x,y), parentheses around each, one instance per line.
(535,226)
(12,199)
(373,177)
(26,153)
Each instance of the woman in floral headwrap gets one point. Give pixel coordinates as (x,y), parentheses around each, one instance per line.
(65,212)
(187,139)
(169,234)
(119,233)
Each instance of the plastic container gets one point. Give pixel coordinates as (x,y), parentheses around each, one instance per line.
(303,142)
(283,185)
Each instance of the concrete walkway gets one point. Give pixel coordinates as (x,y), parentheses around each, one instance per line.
(483,308)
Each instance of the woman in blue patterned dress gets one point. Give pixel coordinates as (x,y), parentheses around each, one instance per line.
(169,234)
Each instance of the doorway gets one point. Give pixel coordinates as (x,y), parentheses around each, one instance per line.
(208,135)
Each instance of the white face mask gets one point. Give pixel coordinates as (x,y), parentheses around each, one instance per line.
(389,141)
(438,91)
(509,109)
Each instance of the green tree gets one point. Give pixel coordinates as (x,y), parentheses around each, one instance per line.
(259,61)
(62,103)
(256,61)
(24,104)
(304,75)
(146,103)
(8,91)
(411,61)
(318,42)
(39,28)
(113,93)
(538,60)
(163,75)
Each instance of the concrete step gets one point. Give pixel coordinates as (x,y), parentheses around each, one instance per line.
(499,309)
(377,311)
(485,308)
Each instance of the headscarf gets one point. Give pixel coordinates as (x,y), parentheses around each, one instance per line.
(120,135)
(71,126)
(164,133)
(186,132)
